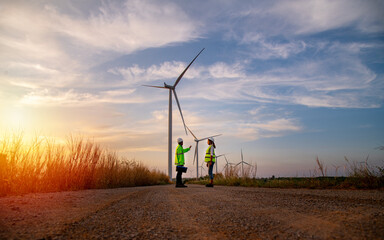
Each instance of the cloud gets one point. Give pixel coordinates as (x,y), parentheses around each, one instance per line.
(306,17)
(75,98)
(128,27)
(278,125)
(64,42)
(267,129)
(171,70)
(261,48)
(336,77)
(137,74)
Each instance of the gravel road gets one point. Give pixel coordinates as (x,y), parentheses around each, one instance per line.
(196,212)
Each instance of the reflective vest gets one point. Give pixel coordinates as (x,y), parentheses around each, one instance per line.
(179,156)
(208,155)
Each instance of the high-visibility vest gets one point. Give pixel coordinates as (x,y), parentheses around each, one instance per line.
(208,155)
(179,156)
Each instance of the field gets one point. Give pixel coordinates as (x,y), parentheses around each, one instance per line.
(359,176)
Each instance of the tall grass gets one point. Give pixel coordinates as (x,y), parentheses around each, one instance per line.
(43,165)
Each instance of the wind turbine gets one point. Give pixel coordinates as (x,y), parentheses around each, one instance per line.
(172,88)
(227,163)
(196,156)
(216,160)
(242,163)
(202,168)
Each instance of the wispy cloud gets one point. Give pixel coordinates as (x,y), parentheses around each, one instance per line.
(267,129)
(305,17)
(171,70)
(136,74)
(74,98)
(261,48)
(126,27)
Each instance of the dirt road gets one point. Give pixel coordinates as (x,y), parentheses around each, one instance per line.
(196,212)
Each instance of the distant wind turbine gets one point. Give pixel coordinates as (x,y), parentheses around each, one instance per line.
(242,163)
(227,163)
(201,168)
(172,88)
(221,155)
(196,156)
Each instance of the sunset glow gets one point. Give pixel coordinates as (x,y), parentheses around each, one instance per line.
(286,81)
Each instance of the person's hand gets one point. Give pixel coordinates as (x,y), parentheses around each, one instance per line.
(207,164)
(190,146)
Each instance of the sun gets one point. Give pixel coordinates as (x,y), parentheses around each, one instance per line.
(14,117)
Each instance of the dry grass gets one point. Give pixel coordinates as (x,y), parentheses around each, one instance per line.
(43,165)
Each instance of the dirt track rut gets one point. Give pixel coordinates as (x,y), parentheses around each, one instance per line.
(196,212)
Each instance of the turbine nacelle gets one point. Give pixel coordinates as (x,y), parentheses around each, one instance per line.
(169,86)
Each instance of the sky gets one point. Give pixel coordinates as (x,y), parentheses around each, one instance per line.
(285,81)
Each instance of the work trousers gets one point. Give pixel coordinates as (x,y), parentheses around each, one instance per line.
(210,171)
(178,178)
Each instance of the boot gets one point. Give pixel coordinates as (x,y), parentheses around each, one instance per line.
(210,184)
(179,184)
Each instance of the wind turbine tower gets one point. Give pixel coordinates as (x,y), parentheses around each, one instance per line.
(172,88)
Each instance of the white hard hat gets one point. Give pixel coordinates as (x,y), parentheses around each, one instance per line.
(211,139)
(179,140)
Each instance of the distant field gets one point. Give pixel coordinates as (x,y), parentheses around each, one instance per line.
(360,176)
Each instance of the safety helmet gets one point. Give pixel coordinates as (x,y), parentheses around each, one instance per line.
(179,140)
(211,139)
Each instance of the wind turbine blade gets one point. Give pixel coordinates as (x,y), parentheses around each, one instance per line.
(237,164)
(181,113)
(182,74)
(153,86)
(248,164)
(194,157)
(191,133)
(210,136)
(226,159)
(242,155)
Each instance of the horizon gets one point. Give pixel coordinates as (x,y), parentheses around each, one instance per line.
(286,82)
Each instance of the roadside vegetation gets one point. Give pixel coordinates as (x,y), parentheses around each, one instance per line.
(359,176)
(45,166)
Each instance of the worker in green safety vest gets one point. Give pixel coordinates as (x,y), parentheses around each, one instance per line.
(179,162)
(210,159)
